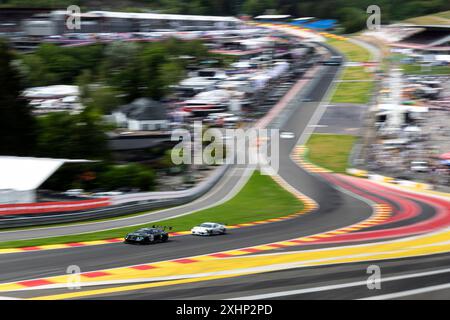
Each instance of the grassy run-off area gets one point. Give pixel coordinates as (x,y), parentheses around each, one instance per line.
(360,87)
(440,18)
(330,151)
(261,198)
(353,92)
(356,73)
(415,68)
(352,51)
(418,69)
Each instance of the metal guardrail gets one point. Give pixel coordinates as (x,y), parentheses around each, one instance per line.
(147,201)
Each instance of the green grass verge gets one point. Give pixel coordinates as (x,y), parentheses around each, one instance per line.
(356,73)
(352,51)
(440,18)
(261,198)
(330,151)
(417,69)
(353,92)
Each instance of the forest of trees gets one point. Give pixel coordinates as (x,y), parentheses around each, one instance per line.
(130,70)
(351,13)
(17,126)
(119,71)
(108,75)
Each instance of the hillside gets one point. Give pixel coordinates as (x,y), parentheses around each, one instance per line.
(441,18)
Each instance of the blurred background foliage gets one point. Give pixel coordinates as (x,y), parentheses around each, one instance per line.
(350,13)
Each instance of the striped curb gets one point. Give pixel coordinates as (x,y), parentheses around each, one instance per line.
(155,267)
(199,267)
(381,213)
(380,178)
(309,205)
(299,28)
(358,173)
(299,157)
(333,36)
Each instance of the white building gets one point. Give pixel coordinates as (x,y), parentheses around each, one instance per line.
(108,21)
(54,98)
(143,114)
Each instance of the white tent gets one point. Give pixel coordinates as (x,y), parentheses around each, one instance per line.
(418,109)
(412,129)
(21,176)
(51,92)
(241,64)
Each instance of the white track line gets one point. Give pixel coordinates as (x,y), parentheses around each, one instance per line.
(9,298)
(409,292)
(343,285)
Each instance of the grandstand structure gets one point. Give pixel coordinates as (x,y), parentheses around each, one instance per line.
(108,21)
(423,38)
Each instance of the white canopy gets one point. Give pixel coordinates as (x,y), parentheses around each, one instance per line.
(273,16)
(417,109)
(22,173)
(241,64)
(55,91)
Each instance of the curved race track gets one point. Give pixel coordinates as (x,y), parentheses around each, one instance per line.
(345,216)
(333,213)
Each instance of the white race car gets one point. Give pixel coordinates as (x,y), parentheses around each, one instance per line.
(208,229)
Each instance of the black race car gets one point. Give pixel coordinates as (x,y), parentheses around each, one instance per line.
(147,236)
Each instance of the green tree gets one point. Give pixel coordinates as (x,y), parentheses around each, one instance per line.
(128,176)
(353,19)
(17,126)
(51,64)
(62,135)
(170,73)
(151,59)
(83,81)
(252,7)
(104,99)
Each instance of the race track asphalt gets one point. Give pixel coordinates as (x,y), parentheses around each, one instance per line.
(225,188)
(335,282)
(336,210)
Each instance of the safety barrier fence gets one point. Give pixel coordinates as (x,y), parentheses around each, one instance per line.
(107,207)
(47,207)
